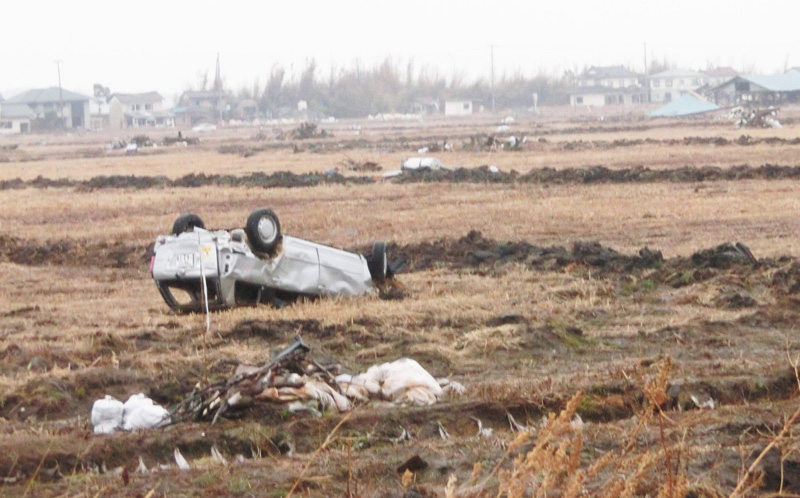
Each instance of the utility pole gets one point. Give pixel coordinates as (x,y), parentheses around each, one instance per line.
(491,48)
(60,93)
(646,83)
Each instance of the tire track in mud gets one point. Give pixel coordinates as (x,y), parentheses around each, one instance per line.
(596,174)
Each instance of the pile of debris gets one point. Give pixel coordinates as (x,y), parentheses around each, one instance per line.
(755,118)
(292,378)
(308,130)
(352,165)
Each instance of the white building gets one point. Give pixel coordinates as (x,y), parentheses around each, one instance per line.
(458,107)
(138,110)
(667,86)
(607,86)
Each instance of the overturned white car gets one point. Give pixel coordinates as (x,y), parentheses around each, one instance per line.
(257,264)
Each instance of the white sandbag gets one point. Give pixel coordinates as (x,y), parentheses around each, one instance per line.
(141,413)
(360,387)
(403,380)
(107,415)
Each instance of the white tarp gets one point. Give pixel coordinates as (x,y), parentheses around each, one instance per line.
(400,381)
(138,412)
(422,164)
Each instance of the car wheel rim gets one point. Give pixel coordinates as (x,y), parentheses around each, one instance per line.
(266,229)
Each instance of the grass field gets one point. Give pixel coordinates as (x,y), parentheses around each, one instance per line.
(680,370)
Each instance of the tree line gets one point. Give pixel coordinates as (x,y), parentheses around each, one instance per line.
(389,87)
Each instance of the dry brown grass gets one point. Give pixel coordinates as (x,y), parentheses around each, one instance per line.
(76,324)
(669,217)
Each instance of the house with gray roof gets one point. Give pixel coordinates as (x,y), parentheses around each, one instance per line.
(608,76)
(138,110)
(766,89)
(15,118)
(202,106)
(54,108)
(720,75)
(601,86)
(667,86)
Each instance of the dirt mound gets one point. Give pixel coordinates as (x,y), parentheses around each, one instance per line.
(283,179)
(724,256)
(72,253)
(475,250)
(787,281)
(481,174)
(603,174)
(743,140)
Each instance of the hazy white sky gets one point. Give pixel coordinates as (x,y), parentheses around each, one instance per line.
(162,45)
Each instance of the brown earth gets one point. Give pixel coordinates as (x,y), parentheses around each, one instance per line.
(524,322)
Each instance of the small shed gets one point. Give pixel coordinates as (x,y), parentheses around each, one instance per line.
(458,107)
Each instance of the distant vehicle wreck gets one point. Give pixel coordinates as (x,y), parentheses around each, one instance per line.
(257,264)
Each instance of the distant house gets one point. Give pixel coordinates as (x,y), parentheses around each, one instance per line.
(246,110)
(198,106)
(55,108)
(609,77)
(793,70)
(138,110)
(671,84)
(98,114)
(761,89)
(716,77)
(15,118)
(426,105)
(458,107)
(719,75)
(607,85)
(600,96)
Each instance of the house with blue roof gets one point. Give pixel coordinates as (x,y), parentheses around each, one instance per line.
(769,89)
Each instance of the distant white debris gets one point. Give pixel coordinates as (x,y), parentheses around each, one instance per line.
(204,127)
(422,164)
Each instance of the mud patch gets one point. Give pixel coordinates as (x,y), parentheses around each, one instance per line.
(72,253)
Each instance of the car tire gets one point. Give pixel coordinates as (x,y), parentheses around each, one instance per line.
(378,262)
(185,222)
(263,230)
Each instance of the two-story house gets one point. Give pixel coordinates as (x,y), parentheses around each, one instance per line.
(54,108)
(667,86)
(138,110)
(609,85)
(14,118)
(198,106)
(719,75)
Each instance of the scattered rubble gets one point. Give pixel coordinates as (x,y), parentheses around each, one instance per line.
(752,117)
(294,378)
(364,166)
(308,130)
